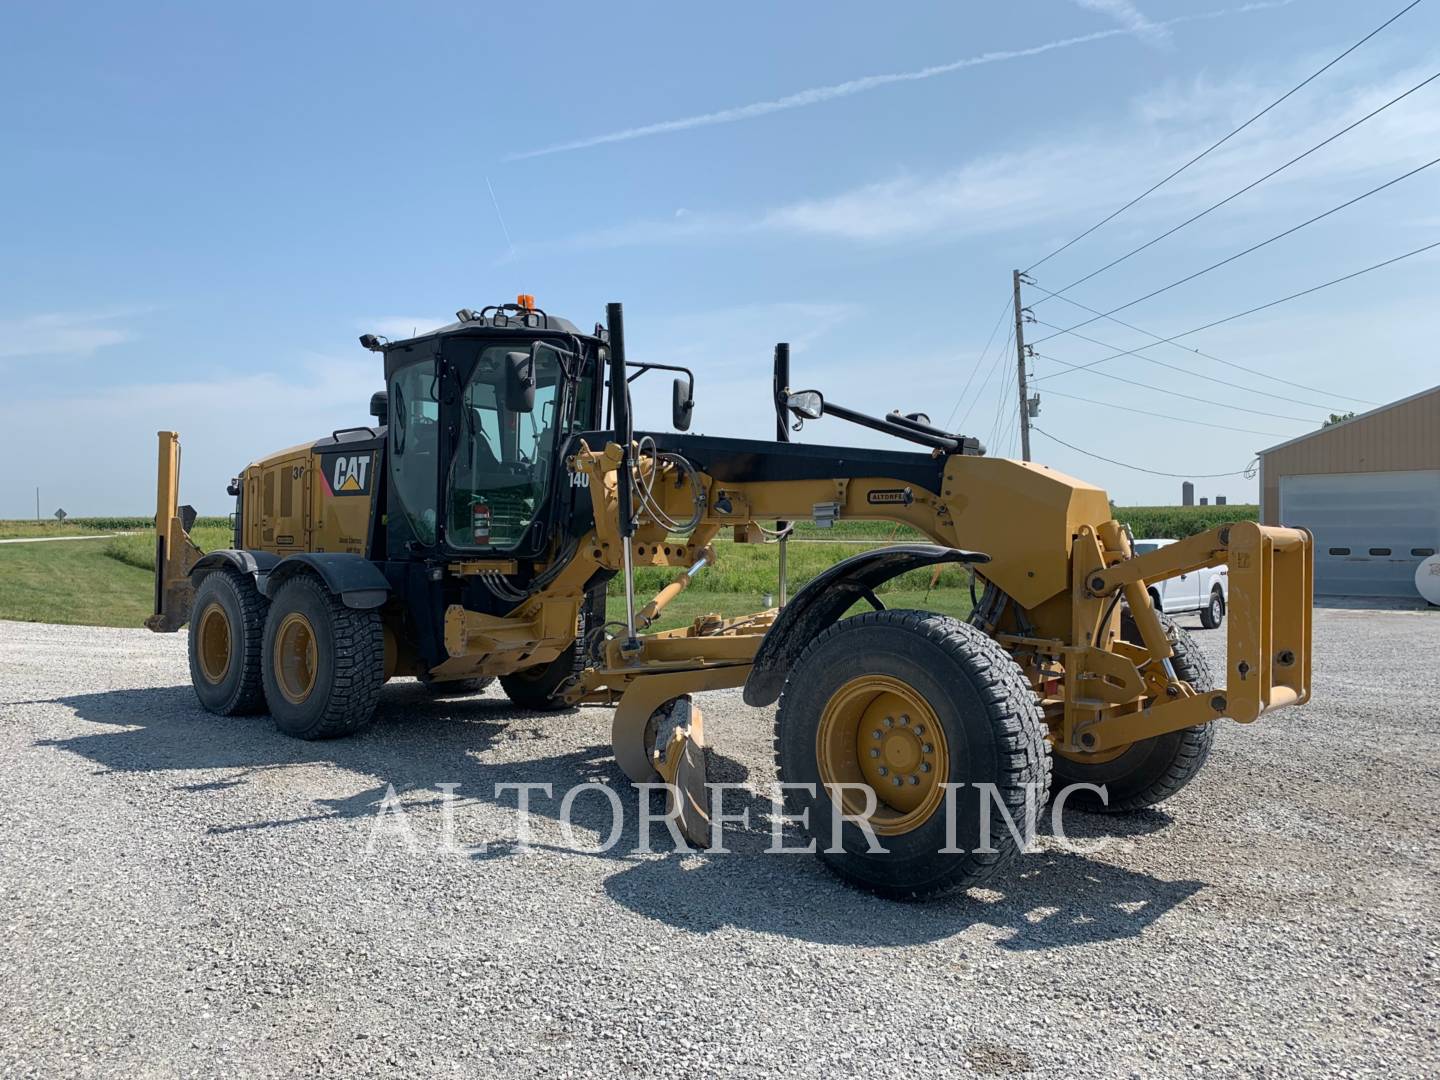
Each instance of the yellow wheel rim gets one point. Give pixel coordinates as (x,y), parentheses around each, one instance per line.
(296,658)
(214,643)
(878,731)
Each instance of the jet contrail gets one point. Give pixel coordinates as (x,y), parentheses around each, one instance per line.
(1127,15)
(820,94)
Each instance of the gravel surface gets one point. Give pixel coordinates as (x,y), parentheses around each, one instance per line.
(185,895)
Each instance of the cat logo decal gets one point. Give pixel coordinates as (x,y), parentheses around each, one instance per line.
(347,474)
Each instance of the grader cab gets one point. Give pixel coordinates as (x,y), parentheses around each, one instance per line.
(473,532)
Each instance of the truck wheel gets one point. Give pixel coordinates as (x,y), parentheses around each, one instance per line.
(226,626)
(904,703)
(458,687)
(1213,612)
(1151,770)
(322,662)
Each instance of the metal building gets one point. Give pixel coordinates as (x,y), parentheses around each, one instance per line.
(1369,489)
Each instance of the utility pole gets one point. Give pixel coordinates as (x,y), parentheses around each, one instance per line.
(1020,357)
(37,502)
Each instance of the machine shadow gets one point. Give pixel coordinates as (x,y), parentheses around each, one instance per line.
(1048,899)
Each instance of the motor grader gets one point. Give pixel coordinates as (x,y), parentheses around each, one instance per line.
(471,534)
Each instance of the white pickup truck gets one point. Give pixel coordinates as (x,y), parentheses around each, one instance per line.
(1206,591)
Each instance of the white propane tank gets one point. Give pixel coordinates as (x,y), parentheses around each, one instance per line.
(1427,579)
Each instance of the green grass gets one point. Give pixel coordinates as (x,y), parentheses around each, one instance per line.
(91,526)
(109,583)
(90,582)
(754,569)
(693,603)
(72,583)
(138,549)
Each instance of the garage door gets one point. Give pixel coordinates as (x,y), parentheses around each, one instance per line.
(1371,529)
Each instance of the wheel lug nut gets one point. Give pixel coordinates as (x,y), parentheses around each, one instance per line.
(889,721)
(884,771)
(926,748)
(918,730)
(896,781)
(924,766)
(914,780)
(876,734)
(874,751)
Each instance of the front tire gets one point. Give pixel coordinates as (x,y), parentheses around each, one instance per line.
(227,623)
(906,703)
(322,663)
(534,688)
(1151,770)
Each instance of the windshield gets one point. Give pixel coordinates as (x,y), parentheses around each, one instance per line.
(500,473)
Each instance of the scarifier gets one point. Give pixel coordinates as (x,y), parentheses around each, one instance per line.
(472,532)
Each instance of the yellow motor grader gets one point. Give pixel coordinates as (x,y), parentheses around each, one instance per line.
(471,534)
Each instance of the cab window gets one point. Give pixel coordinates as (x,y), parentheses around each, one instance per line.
(415,445)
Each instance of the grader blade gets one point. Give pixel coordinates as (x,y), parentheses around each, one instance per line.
(678,755)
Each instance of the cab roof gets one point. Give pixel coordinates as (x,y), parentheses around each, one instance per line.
(491,320)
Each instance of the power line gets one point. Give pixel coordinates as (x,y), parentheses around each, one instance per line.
(1252,248)
(980,393)
(1177,393)
(1215,146)
(1187,348)
(1252,311)
(978,361)
(1166,418)
(1247,187)
(1139,468)
(1183,371)
(1307,292)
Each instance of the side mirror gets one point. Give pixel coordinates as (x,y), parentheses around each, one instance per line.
(379,405)
(682,404)
(520,382)
(806,404)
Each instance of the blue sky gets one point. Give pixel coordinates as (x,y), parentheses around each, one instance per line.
(204,205)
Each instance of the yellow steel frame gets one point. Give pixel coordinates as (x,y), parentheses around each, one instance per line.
(1054,551)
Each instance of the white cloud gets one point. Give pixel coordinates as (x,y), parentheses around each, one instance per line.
(1132,23)
(61,333)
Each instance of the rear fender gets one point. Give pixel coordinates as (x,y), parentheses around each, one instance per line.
(354,578)
(827,597)
(254,563)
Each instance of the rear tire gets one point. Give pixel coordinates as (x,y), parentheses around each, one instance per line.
(322,663)
(974,720)
(1151,770)
(227,623)
(1213,613)
(455,688)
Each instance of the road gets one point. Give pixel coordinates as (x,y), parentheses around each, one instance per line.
(182,894)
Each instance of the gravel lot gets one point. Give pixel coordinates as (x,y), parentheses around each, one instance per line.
(181,894)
